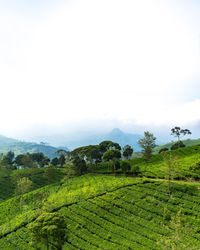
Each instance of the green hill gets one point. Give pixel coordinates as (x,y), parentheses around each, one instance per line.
(187,142)
(105,212)
(21,147)
(188,159)
(110,212)
(36,175)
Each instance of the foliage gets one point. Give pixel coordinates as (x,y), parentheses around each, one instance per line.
(61,160)
(177,145)
(127,151)
(49,230)
(178,132)
(125,166)
(176,233)
(147,143)
(106,212)
(106,145)
(113,155)
(23,185)
(171,168)
(54,161)
(163,150)
(50,172)
(79,165)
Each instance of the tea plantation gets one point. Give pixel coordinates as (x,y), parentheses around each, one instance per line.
(106,212)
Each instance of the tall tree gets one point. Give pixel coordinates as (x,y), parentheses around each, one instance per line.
(147,143)
(106,145)
(179,133)
(113,155)
(171,168)
(127,151)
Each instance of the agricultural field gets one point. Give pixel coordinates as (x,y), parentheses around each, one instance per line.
(36,175)
(188,159)
(107,212)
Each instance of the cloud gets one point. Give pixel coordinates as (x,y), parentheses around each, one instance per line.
(100,60)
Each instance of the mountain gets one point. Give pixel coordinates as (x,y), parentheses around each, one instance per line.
(122,138)
(21,147)
(115,135)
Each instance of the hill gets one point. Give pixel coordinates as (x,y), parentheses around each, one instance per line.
(187,142)
(111,212)
(21,147)
(188,160)
(106,212)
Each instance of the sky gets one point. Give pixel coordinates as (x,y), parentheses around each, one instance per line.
(67,66)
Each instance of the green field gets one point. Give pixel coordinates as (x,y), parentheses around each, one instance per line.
(105,212)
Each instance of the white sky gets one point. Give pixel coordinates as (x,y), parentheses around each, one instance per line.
(65,63)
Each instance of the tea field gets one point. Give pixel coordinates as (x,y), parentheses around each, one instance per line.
(107,212)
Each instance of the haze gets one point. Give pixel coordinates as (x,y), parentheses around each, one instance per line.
(96,65)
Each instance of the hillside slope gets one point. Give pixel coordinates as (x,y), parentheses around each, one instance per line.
(21,147)
(187,142)
(105,212)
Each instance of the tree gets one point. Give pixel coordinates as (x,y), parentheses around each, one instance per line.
(177,145)
(44,162)
(175,237)
(18,159)
(179,133)
(92,154)
(112,155)
(125,166)
(171,168)
(79,165)
(61,160)
(127,151)
(23,185)
(26,161)
(48,230)
(106,145)
(50,173)
(147,143)
(54,161)
(37,157)
(163,150)
(10,157)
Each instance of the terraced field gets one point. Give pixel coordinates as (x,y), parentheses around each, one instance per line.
(188,157)
(105,212)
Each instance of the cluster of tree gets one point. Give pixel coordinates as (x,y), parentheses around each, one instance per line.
(30,160)
(87,157)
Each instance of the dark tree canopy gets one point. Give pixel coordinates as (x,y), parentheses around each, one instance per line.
(79,165)
(54,161)
(125,166)
(111,154)
(127,151)
(106,145)
(178,144)
(48,230)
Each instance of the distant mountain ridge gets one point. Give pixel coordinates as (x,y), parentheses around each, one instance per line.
(115,135)
(21,147)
